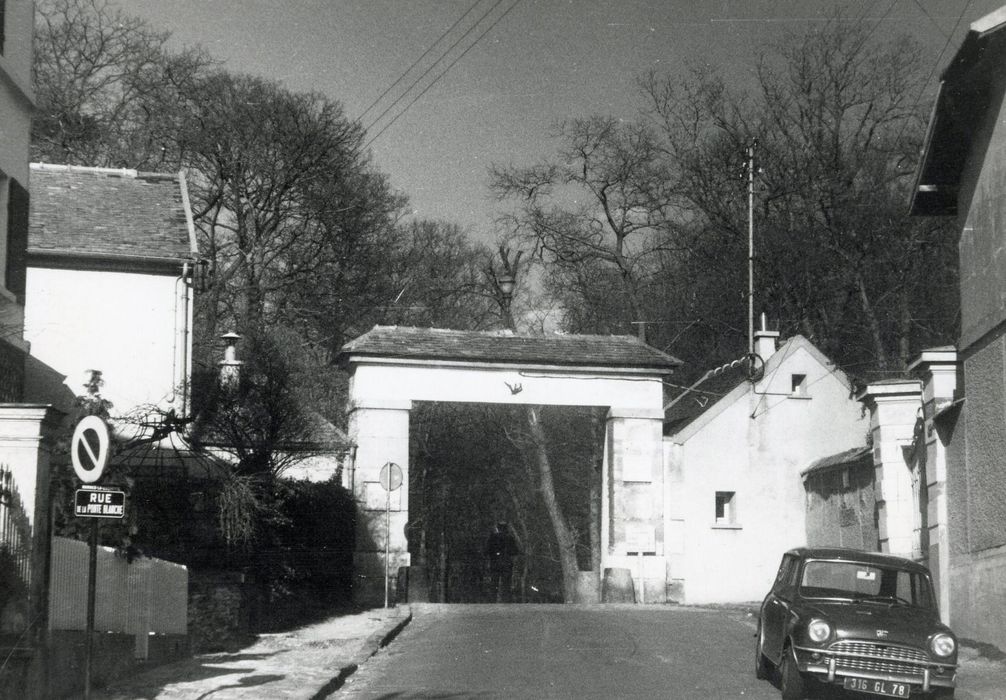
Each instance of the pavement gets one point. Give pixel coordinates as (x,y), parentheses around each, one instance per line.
(312,662)
(308,663)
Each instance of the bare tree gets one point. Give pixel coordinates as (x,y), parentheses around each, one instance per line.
(838,125)
(108,88)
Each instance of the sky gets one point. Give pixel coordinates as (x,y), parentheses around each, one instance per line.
(541,62)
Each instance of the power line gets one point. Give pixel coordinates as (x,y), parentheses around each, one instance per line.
(416,62)
(444,72)
(932,71)
(433,65)
(930,17)
(879,21)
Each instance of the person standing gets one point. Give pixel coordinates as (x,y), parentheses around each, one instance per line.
(500,550)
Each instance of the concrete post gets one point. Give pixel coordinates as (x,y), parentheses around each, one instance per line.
(380,431)
(937,368)
(894,411)
(633,507)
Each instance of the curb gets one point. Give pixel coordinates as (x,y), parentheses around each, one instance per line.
(374,644)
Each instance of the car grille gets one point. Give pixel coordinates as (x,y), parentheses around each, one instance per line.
(882,658)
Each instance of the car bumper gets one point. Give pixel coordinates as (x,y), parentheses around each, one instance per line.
(828,667)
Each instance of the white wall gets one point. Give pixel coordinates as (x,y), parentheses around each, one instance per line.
(130,326)
(760,460)
(387,382)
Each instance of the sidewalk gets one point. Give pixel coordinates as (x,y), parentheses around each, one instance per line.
(308,663)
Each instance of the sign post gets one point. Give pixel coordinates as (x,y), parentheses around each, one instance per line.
(391,479)
(89,452)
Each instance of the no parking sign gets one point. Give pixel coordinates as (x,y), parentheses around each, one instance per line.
(89,448)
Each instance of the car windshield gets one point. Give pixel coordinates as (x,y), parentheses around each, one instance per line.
(865,582)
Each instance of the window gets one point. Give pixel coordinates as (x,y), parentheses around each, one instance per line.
(860,581)
(726,507)
(2,9)
(785,580)
(15,208)
(798,385)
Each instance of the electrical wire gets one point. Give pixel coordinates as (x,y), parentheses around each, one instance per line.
(433,65)
(932,71)
(919,4)
(416,62)
(442,74)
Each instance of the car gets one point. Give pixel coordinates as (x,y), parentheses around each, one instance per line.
(864,621)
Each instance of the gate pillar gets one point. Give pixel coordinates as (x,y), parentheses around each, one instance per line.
(380,431)
(633,507)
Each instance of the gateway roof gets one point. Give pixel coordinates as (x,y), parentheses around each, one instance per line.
(614,351)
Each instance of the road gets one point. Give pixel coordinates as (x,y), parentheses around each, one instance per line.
(538,651)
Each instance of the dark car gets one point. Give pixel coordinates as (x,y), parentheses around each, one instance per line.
(864,621)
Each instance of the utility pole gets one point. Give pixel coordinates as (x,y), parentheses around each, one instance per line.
(751,168)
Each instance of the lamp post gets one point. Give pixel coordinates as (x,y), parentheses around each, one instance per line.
(506,283)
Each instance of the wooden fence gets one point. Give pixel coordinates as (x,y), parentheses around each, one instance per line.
(144,597)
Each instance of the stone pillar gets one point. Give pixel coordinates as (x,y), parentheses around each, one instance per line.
(937,368)
(380,431)
(633,507)
(26,436)
(894,411)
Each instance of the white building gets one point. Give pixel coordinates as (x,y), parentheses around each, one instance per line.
(111,255)
(734,492)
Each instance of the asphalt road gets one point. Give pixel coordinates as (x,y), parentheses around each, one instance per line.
(532,651)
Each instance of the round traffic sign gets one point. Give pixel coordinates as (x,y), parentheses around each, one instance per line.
(89,448)
(391,476)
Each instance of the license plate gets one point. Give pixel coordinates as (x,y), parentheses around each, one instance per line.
(868,685)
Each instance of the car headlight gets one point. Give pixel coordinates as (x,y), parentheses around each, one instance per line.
(943,644)
(818,630)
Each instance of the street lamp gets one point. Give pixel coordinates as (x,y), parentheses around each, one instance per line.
(506,283)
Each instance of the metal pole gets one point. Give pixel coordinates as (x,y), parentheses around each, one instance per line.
(750,165)
(92,576)
(387,543)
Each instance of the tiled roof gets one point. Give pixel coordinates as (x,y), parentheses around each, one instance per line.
(623,351)
(100,212)
(842,459)
(702,397)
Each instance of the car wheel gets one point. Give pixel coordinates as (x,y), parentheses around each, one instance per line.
(791,681)
(761,663)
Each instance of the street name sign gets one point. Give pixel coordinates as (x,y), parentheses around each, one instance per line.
(99,503)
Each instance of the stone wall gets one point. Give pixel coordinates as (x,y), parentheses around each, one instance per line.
(219,611)
(978,596)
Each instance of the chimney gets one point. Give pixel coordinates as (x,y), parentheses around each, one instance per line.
(765,341)
(230,366)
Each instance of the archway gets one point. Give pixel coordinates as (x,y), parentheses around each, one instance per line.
(391,367)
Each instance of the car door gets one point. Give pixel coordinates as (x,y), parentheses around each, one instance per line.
(776,607)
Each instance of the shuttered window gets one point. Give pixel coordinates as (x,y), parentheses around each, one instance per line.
(17,239)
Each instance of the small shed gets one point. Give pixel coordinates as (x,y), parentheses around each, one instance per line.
(841,500)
